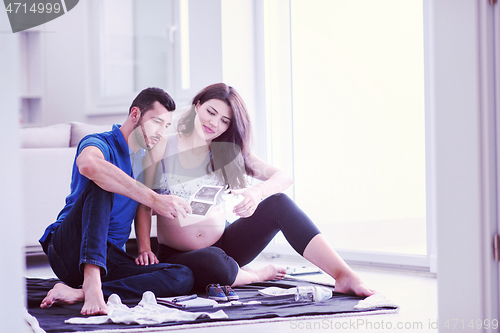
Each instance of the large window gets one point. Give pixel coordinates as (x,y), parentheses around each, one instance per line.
(137,44)
(358,134)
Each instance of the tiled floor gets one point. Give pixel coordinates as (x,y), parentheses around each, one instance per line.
(414,292)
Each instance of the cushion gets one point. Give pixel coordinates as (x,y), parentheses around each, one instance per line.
(79,130)
(54,136)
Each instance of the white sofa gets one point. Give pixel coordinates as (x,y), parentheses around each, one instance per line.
(47,155)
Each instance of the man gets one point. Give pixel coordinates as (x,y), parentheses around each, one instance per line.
(85,245)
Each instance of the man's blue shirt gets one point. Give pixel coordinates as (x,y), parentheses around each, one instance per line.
(116,151)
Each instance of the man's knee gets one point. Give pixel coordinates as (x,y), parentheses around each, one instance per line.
(178,277)
(93,190)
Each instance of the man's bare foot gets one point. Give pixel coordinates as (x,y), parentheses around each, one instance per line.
(269,272)
(352,284)
(94,299)
(62,294)
(94,303)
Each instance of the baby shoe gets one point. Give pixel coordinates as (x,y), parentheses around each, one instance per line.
(215,292)
(231,295)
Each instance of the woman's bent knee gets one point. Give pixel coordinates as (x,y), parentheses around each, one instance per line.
(214,266)
(279,200)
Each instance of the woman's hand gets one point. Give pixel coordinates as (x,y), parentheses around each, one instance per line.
(146,258)
(251,199)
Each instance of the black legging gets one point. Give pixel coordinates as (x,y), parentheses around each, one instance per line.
(243,240)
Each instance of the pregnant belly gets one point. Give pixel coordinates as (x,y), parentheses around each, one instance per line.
(193,232)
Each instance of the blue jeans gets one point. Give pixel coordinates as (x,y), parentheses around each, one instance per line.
(81,239)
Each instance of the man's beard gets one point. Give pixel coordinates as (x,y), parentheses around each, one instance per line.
(142,137)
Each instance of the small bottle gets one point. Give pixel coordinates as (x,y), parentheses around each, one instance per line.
(312,294)
(304,294)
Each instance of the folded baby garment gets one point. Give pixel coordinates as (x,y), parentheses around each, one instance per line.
(147,312)
(375,301)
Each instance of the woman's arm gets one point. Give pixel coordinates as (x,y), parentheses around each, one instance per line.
(143,236)
(274,181)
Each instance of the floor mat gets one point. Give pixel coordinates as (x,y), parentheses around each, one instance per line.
(274,308)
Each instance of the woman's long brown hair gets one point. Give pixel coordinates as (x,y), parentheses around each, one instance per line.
(229,153)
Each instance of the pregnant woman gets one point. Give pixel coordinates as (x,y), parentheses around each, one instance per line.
(212,148)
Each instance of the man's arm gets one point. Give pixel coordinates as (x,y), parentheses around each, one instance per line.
(92,164)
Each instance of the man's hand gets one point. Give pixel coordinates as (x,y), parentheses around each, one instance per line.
(145,258)
(251,199)
(171,206)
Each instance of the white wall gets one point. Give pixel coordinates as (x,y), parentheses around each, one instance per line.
(238,41)
(12,258)
(243,61)
(205,30)
(464,256)
(66,67)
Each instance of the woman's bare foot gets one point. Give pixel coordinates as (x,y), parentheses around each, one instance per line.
(269,272)
(352,284)
(62,294)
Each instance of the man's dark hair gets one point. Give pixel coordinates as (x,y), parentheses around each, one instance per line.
(146,98)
